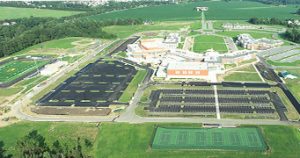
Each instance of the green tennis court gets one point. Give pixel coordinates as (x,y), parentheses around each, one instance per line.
(16,68)
(209,138)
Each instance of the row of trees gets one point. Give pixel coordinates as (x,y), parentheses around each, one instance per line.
(272,21)
(277,2)
(82,6)
(293,35)
(31,31)
(34,145)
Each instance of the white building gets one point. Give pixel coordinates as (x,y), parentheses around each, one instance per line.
(50,69)
(248,42)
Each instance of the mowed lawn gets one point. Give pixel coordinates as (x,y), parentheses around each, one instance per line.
(205,42)
(14,13)
(133,141)
(115,140)
(254,34)
(132,87)
(64,132)
(218,10)
(244,73)
(293,85)
(243,76)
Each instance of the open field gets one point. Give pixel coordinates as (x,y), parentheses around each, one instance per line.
(239,139)
(218,10)
(133,140)
(14,13)
(254,34)
(243,76)
(133,85)
(205,42)
(125,31)
(64,46)
(276,63)
(293,85)
(64,132)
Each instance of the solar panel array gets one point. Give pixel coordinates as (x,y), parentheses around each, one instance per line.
(203,101)
(97,84)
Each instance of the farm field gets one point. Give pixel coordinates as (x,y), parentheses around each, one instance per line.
(133,140)
(205,42)
(125,31)
(14,13)
(218,10)
(16,68)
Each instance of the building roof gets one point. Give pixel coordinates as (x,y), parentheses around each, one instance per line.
(152,44)
(187,66)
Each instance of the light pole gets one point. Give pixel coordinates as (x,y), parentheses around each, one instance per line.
(202,10)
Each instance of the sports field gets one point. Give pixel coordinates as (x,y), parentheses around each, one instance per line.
(205,42)
(218,10)
(14,13)
(209,138)
(16,68)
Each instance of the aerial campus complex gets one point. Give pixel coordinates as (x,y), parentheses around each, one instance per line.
(188,84)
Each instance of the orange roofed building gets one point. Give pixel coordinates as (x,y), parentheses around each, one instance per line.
(187,70)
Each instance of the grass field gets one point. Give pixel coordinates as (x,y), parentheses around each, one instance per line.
(125,31)
(218,10)
(274,63)
(64,132)
(206,138)
(133,140)
(243,76)
(130,90)
(16,68)
(115,140)
(293,85)
(254,34)
(205,42)
(14,13)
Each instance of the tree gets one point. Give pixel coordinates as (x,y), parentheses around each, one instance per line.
(32,145)
(3,151)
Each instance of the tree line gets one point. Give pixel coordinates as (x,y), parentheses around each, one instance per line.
(83,6)
(277,2)
(272,21)
(31,31)
(292,33)
(34,145)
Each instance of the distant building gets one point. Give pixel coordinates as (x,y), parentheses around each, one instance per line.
(248,42)
(50,69)
(172,40)
(237,26)
(286,75)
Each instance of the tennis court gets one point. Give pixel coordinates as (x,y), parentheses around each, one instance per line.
(209,138)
